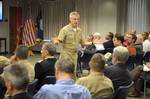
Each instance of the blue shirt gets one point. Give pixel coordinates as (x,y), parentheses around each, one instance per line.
(63,89)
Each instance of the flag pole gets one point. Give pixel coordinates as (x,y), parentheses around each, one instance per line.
(18,25)
(30,53)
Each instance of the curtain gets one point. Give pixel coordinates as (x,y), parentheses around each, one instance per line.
(138,15)
(121,16)
(97,15)
(55,16)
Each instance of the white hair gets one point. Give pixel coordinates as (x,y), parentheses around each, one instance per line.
(121,53)
(18,75)
(74,14)
(97,35)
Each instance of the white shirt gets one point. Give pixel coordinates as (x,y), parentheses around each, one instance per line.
(146,46)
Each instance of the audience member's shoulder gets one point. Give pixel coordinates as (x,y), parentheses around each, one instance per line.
(110,67)
(81,80)
(46,88)
(39,61)
(81,88)
(4,61)
(107,79)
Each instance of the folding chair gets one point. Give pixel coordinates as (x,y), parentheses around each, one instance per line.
(122,91)
(32,86)
(49,80)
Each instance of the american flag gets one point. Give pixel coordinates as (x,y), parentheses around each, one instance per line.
(29,33)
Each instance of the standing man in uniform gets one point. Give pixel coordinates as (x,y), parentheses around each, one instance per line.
(70,36)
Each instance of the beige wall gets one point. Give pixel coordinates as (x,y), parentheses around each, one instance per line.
(4,26)
(107,19)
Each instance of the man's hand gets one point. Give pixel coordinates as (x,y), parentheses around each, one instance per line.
(55,40)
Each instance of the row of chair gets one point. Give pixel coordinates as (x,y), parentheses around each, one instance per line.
(121,93)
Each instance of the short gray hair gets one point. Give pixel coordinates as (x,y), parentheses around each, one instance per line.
(65,65)
(74,13)
(50,48)
(18,75)
(97,35)
(121,53)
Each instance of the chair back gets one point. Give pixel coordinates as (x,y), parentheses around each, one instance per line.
(49,80)
(32,86)
(122,91)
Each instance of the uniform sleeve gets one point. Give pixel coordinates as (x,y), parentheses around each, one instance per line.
(79,81)
(61,35)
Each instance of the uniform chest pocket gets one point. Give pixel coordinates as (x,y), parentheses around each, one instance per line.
(70,38)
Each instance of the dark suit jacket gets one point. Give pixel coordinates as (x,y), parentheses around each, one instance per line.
(118,74)
(108,45)
(2,88)
(44,68)
(22,96)
(85,58)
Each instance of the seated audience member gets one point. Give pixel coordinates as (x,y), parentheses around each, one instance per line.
(20,56)
(139,50)
(90,49)
(109,45)
(130,43)
(46,67)
(137,74)
(64,87)
(98,42)
(118,35)
(118,72)
(96,82)
(3,63)
(145,35)
(85,54)
(138,44)
(97,38)
(146,45)
(119,39)
(127,39)
(17,79)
